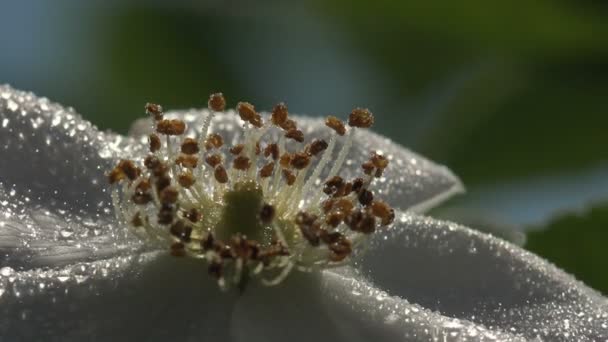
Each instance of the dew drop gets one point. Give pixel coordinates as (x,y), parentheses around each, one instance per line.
(6,271)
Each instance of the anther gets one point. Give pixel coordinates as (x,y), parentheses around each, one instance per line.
(285,160)
(272,150)
(340,250)
(137,221)
(155,110)
(181,231)
(168,195)
(213,140)
(241,163)
(290,178)
(368,167)
(279,114)
(309,227)
(193,215)
(360,117)
(316,147)
(266,170)
(220,174)
(237,149)
(154,142)
(383,211)
(171,127)
(365,197)
(129,169)
(213,160)
(246,111)
(300,160)
(165,214)
(335,124)
(185,160)
(288,125)
(189,146)
(295,134)
(186,179)
(217,102)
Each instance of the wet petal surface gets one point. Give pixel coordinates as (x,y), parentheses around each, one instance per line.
(55,208)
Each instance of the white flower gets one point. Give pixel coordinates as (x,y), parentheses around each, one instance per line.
(72,269)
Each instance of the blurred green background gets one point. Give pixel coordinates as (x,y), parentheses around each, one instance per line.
(512,96)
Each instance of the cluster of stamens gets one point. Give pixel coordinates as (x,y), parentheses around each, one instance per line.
(255,208)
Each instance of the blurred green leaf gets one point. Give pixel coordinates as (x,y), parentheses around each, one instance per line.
(577,244)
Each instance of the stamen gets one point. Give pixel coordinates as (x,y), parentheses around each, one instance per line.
(259,218)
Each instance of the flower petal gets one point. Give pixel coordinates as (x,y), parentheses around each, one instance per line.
(410,182)
(472,276)
(337,306)
(53,197)
(148,298)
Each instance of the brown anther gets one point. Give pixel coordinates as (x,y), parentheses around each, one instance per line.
(190,146)
(151,162)
(214,140)
(335,124)
(170,127)
(116,175)
(290,178)
(165,214)
(181,231)
(168,195)
(334,218)
(328,205)
(288,125)
(137,221)
(367,167)
(155,110)
(193,215)
(379,161)
(316,147)
(266,170)
(365,197)
(186,179)
(345,205)
(329,238)
(361,221)
(246,111)
(257,121)
(143,185)
(220,174)
(300,160)
(357,184)
(217,102)
(333,184)
(295,134)
(340,249)
(241,163)
(309,227)
(279,114)
(162,181)
(272,150)
(267,213)
(129,169)
(237,149)
(185,160)
(360,117)
(213,160)
(141,198)
(258,149)
(178,249)
(154,142)
(383,211)
(343,190)
(285,160)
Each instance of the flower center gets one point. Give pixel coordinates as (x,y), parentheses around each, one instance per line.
(254,209)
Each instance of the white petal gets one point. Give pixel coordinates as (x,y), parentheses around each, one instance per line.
(472,276)
(410,182)
(152,298)
(55,208)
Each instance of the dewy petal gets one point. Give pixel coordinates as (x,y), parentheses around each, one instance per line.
(54,204)
(169,299)
(474,277)
(410,182)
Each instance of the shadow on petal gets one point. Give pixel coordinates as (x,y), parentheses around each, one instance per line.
(158,298)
